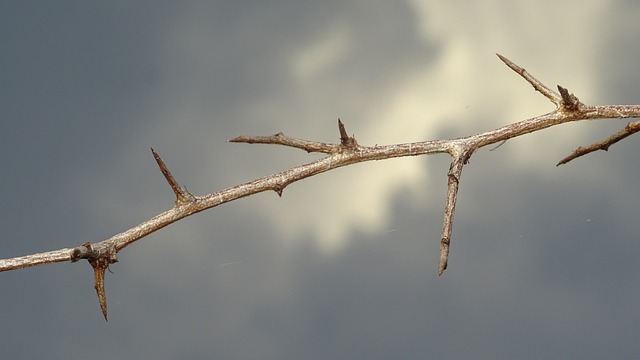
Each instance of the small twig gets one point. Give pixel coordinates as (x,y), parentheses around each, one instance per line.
(281,139)
(630,129)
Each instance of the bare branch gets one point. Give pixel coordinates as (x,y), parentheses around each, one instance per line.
(568,109)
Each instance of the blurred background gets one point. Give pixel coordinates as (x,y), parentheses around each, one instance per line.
(344,265)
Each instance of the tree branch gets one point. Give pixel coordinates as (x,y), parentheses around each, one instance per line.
(568,108)
(630,129)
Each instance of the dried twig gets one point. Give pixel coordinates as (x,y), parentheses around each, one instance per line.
(347,152)
(630,129)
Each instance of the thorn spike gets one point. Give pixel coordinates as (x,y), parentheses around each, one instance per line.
(344,137)
(100,265)
(182,196)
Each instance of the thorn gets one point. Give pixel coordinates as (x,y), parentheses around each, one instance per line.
(511,64)
(537,85)
(569,101)
(182,196)
(100,264)
(344,137)
(345,140)
(442,268)
(504,59)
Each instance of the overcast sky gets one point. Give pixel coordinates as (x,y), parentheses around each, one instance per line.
(343,266)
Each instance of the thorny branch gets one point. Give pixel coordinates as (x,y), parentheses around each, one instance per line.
(568,108)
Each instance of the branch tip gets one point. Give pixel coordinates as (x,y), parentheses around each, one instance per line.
(511,64)
(505,60)
(537,85)
(444,255)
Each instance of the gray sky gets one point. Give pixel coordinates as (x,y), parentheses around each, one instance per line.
(343,266)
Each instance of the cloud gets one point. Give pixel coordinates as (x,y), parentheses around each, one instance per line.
(432,74)
(310,63)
